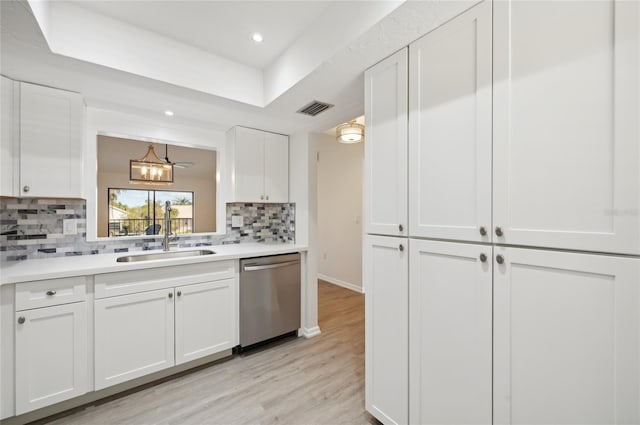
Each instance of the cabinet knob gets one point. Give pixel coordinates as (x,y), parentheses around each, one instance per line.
(483,231)
(170,294)
(499,231)
(401,247)
(261,197)
(26,189)
(21,320)
(400,227)
(179,293)
(499,259)
(483,258)
(267,197)
(51,293)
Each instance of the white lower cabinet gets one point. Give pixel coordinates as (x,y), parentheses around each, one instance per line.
(205,319)
(566,338)
(133,336)
(51,355)
(386,330)
(167,318)
(450,325)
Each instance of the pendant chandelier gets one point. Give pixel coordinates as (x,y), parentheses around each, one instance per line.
(150,169)
(350,132)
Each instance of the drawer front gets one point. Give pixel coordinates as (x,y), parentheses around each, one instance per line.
(134,281)
(45,293)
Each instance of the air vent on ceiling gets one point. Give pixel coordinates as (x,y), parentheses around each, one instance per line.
(314,108)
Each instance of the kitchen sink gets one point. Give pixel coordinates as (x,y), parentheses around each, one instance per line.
(163,255)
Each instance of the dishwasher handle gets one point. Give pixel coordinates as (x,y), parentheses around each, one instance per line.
(269,266)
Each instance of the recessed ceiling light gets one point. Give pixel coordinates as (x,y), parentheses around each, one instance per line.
(168,113)
(257,37)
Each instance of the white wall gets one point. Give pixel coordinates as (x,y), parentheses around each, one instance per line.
(340,169)
(302,191)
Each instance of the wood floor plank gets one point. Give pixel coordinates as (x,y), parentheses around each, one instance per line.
(300,381)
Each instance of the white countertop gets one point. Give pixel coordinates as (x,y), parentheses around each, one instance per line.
(83,265)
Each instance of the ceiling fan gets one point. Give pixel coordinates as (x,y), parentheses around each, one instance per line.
(184,164)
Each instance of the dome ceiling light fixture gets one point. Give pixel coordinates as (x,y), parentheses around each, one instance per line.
(150,169)
(350,132)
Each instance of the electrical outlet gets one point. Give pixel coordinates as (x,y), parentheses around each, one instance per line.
(324,256)
(70,227)
(236,221)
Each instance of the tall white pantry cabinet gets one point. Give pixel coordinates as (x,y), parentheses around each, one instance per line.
(520,294)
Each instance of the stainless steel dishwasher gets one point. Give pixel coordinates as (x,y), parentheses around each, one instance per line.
(269,297)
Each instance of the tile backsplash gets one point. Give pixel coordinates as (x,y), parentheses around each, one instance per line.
(33,228)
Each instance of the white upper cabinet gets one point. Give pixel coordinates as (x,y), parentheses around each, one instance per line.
(247,179)
(259,165)
(566,149)
(566,338)
(450,129)
(385,149)
(51,135)
(8,138)
(450,329)
(276,167)
(385,269)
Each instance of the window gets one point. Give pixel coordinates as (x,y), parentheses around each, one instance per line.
(134,212)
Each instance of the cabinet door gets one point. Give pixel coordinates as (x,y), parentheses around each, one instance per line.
(450,331)
(8,139)
(248,165)
(51,355)
(133,336)
(51,140)
(566,338)
(385,148)
(386,328)
(566,159)
(450,129)
(276,168)
(205,319)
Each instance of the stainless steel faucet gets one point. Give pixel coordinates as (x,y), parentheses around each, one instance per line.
(167,225)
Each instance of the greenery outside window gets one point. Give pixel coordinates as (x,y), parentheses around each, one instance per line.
(134,212)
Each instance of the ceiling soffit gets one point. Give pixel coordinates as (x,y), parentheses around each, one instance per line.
(83,34)
(25,56)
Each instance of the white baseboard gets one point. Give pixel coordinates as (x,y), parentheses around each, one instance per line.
(342,283)
(311,332)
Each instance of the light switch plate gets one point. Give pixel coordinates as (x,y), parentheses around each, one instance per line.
(236,221)
(70,227)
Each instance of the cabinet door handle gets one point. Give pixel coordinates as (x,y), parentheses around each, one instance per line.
(401,247)
(400,227)
(483,231)
(483,258)
(261,197)
(499,259)
(499,231)
(179,293)
(26,189)
(51,293)
(170,294)
(267,197)
(21,320)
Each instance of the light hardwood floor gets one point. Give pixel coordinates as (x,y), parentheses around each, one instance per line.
(301,381)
